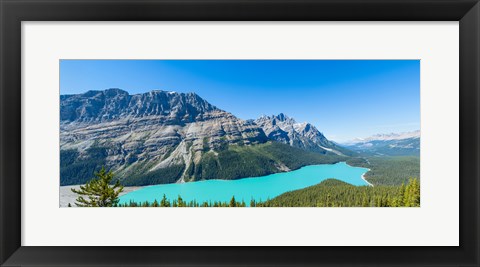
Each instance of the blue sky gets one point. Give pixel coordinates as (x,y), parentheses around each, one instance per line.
(344,99)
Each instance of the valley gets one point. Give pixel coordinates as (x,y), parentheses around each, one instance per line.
(165,137)
(248,189)
(173,145)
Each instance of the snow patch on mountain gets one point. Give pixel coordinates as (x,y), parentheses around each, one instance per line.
(386,137)
(393,144)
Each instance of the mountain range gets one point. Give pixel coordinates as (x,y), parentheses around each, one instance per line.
(166,137)
(281,128)
(393,144)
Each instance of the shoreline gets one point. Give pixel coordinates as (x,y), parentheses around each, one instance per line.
(67,196)
(363,178)
(363,175)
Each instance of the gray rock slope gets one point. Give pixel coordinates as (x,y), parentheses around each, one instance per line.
(145,133)
(284,129)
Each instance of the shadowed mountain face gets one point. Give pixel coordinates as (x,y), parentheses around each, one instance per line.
(165,137)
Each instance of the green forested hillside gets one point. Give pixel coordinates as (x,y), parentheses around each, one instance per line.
(335,193)
(165,175)
(78,171)
(396,182)
(236,162)
(388,170)
(228,163)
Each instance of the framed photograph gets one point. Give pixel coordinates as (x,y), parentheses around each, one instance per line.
(239,133)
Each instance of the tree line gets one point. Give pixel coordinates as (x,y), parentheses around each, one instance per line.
(388,170)
(179,202)
(330,193)
(335,193)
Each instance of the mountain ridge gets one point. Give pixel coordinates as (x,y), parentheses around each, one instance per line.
(114,103)
(177,136)
(386,137)
(393,144)
(282,128)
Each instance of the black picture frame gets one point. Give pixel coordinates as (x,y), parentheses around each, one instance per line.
(13,12)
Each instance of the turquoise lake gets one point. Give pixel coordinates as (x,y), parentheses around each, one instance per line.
(258,188)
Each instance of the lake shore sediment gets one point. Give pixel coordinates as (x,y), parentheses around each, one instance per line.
(67,196)
(363,178)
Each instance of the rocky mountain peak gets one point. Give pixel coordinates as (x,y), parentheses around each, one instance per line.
(281,117)
(285,129)
(159,131)
(275,119)
(114,92)
(114,103)
(303,127)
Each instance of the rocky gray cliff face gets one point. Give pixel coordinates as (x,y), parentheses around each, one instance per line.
(146,132)
(284,129)
(113,104)
(167,134)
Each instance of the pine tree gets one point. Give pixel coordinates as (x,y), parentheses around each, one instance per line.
(401,196)
(365,200)
(164,202)
(181,203)
(233,203)
(412,193)
(327,204)
(416,193)
(98,191)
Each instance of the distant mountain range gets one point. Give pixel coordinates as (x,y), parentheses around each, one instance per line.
(166,137)
(402,144)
